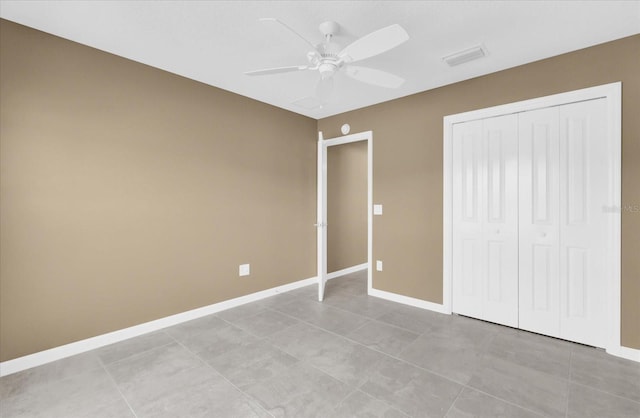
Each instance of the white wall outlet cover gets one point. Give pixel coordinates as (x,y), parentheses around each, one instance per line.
(244,269)
(377,209)
(378,265)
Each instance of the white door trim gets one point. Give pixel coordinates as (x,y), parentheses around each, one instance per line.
(612,93)
(323,144)
(321,219)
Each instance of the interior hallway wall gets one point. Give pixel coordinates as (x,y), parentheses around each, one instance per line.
(346,205)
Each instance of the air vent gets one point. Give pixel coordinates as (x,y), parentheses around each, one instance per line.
(467,55)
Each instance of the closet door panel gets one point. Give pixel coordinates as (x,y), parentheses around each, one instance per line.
(539,194)
(500,294)
(530,230)
(583,222)
(468,198)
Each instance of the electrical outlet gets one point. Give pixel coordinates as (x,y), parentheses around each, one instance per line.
(377,209)
(378,265)
(244,269)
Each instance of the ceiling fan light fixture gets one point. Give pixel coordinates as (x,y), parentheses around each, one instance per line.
(327,69)
(467,55)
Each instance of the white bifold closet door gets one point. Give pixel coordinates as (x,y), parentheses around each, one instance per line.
(563,186)
(485,218)
(529,230)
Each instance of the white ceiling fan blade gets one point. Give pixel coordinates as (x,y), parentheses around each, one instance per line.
(375,77)
(324,88)
(289,28)
(277,70)
(374,43)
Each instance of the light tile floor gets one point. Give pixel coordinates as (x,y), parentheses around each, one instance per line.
(353,355)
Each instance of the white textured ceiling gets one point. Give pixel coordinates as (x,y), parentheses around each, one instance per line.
(216,41)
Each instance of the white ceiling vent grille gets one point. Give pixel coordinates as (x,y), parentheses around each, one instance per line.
(467,55)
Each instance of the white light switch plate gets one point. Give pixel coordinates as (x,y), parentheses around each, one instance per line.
(378,265)
(377,209)
(244,270)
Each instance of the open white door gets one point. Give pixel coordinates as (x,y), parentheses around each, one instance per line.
(321,224)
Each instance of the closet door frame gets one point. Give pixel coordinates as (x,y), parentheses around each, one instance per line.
(612,93)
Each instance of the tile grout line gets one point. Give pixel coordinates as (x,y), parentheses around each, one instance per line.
(179,343)
(344,337)
(464,385)
(334,307)
(571,381)
(380,352)
(305,362)
(48,383)
(566,409)
(605,392)
(113,380)
(359,326)
(376,320)
(332,333)
(345,398)
(369,320)
(139,354)
(300,360)
(206,364)
(454,401)
(524,408)
(355,388)
(358,390)
(251,316)
(324,373)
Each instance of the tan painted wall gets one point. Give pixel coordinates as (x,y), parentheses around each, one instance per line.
(346,205)
(407,150)
(129,193)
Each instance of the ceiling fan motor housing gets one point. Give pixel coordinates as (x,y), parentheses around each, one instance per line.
(329,28)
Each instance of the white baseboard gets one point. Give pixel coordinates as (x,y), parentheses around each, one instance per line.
(406,300)
(37,359)
(57,353)
(348,270)
(625,352)
(618,351)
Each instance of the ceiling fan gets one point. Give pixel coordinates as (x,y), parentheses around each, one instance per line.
(329,58)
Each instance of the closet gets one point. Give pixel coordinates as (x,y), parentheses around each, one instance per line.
(529,229)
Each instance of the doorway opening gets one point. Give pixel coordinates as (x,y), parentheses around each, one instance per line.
(335,262)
